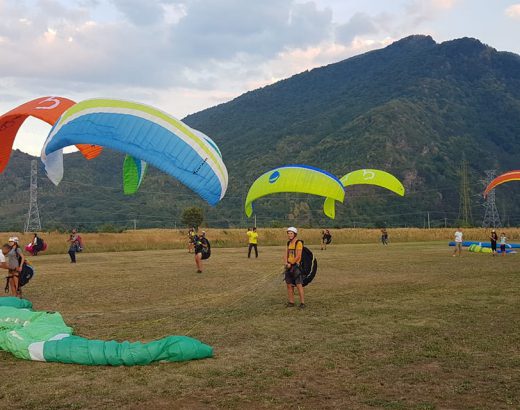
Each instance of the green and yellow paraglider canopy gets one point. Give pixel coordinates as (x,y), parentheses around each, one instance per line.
(300,179)
(369,177)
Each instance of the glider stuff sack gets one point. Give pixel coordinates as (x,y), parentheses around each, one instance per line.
(206,250)
(308,266)
(25,275)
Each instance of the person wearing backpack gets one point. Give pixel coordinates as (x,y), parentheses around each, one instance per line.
(37,245)
(75,245)
(293,273)
(202,250)
(326,239)
(14,260)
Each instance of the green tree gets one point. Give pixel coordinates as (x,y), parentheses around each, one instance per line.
(192,216)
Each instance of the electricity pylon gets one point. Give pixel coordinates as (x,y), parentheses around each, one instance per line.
(33,223)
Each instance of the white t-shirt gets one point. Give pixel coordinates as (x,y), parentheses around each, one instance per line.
(458,236)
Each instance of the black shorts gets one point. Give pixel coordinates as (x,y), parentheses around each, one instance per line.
(293,276)
(493,246)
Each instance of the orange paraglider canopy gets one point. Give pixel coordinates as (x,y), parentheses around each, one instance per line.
(48,109)
(507,177)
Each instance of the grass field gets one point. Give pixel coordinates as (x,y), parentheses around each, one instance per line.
(400,327)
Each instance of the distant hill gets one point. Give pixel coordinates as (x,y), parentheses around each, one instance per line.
(415,108)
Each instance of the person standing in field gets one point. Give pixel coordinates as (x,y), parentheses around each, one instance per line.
(458,242)
(37,244)
(503,243)
(293,273)
(252,237)
(326,239)
(14,260)
(75,245)
(493,238)
(384,236)
(201,247)
(191,239)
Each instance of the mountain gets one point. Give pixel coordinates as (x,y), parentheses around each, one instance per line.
(415,108)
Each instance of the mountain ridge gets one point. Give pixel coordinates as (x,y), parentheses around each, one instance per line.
(415,108)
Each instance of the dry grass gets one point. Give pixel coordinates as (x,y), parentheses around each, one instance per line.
(149,239)
(399,327)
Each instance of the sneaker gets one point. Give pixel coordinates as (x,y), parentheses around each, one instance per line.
(302,306)
(199,271)
(289,304)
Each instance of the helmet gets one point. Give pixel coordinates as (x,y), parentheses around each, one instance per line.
(293,230)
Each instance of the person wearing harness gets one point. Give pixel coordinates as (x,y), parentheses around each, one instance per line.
(326,239)
(201,246)
(37,245)
(75,245)
(293,273)
(14,260)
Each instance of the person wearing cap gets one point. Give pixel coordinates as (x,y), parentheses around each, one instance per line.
(293,273)
(493,238)
(201,244)
(14,260)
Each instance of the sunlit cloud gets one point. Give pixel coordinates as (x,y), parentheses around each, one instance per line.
(513,11)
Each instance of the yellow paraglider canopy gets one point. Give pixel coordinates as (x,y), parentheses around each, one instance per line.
(297,178)
(369,177)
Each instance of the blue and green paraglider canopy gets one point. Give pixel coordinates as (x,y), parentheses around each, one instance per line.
(144,133)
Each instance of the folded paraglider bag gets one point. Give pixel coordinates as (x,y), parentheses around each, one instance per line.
(309,266)
(25,275)
(206,250)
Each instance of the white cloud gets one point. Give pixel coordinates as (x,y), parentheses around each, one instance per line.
(513,11)
(184,55)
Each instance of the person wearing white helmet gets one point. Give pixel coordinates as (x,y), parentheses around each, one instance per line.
(293,273)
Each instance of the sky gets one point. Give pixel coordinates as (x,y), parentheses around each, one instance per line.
(183,56)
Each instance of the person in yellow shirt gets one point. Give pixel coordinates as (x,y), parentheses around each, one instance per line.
(252,236)
(293,273)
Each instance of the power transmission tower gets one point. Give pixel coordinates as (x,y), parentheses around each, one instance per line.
(33,223)
(491,216)
(464,196)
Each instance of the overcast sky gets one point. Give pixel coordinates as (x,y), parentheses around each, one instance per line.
(186,55)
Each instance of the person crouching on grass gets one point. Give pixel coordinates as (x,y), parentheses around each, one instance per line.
(293,273)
